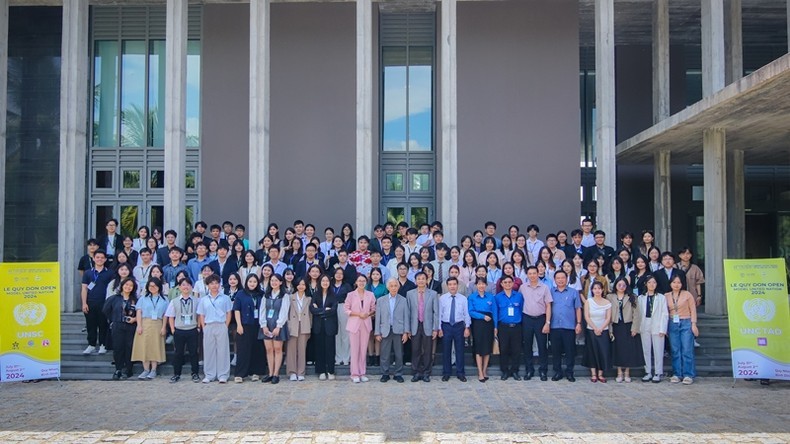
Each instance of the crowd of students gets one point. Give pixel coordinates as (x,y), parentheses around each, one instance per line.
(387,300)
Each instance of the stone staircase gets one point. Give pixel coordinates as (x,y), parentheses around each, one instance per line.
(712,357)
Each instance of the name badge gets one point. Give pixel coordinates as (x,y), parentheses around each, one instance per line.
(511,311)
(255,314)
(91,285)
(187,319)
(676,319)
(154,316)
(172,284)
(270,313)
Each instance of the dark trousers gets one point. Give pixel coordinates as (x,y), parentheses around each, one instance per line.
(324,353)
(452,335)
(509,336)
(563,340)
(421,352)
(96,321)
(185,340)
(249,353)
(533,327)
(122,341)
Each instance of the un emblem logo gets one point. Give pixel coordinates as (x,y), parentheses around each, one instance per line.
(759,310)
(30,313)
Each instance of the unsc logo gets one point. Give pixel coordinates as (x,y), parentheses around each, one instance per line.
(30,313)
(759,310)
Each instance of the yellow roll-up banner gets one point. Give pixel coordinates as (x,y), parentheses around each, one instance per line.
(29,321)
(759,317)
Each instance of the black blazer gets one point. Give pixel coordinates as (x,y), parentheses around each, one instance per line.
(349,273)
(663,281)
(227,270)
(300,269)
(103,239)
(324,315)
(606,251)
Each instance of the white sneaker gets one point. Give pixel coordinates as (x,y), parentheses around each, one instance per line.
(657,379)
(322,377)
(647,378)
(102,350)
(364,379)
(674,379)
(293,377)
(300,378)
(331,377)
(687,381)
(169,340)
(143,375)
(355,380)
(151,374)
(206,380)
(88,350)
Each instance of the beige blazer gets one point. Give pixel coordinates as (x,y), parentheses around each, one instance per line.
(300,321)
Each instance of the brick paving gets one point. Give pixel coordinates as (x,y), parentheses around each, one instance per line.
(341,412)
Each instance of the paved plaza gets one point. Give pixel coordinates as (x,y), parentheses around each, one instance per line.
(339,411)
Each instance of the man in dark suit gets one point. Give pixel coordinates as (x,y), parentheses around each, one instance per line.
(600,247)
(576,245)
(223,267)
(323,332)
(341,261)
(378,235)
(667,272)
(309,259)
(111,242)
(163,253)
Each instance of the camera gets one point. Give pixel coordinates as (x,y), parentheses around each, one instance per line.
(127,319)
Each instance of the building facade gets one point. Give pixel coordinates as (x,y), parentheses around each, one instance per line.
(519,111)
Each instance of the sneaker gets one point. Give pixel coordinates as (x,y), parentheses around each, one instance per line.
(656,379)
(364,379)
(174,379)
(627,379)
(195,377)
(102,350)
(200,363)
(322,377)
(647,378)
(223,380)
(293,377)
(238,380)
(152,374)
(169,340)
(619,379)
(674,379)
(88,350)
(331,377)
(206,380)
(255,378)
(143,375)
(687,381)
(355,380)
(300,378)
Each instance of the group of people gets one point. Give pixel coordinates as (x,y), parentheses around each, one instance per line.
(387,300)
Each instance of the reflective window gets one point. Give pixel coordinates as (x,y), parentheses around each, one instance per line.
(129,220)
(105,93)
(420,182)
(408,98)
(189,218)
(419,215)
(156,93)
(131,179)
(133,121)
(157,214)
(103,213)
(190,179)
(103,179)
(157,179)
(193,93)
(394,181)
(396,215)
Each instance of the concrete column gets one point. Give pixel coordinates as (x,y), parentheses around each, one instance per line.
(662,191)
(736,205)
(715,184)
(364,173)
(449,92)
(606,171)
(712,46)
(74,67)
(660,60)
(733,41)
(175,117)
(3,109)
(259,118)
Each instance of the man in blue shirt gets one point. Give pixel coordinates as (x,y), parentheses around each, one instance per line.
(195,265)
(507,328)
(93,295)
(566,323)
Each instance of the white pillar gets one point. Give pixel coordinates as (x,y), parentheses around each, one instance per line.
(606,171)
(712,46)
(733,41)
(660,60)
(259,119)
(74,66)
(662,190)
(364,173)
(715,184)
(449,92)
(736,205)
(175,115)
(3,109)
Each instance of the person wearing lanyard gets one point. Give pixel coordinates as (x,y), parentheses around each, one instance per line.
(482,310)
(214,316)
(249,350)
(536,323)
(93,294)
(682,331)
(454,316)
(653,329)
(149,347)
(183,323)
(143,271)
(507,328)
(299,324)
(272,317)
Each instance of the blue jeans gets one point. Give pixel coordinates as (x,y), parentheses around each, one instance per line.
(682,341)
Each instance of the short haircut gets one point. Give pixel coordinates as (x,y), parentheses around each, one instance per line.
(187,280)
(506,278)
(274,247)
(418,274)
(212,278)
(599,233)
(441,246)
(363,238)
(241,227)
(169,232)
(100,251)
(223,246)
(490,223)
(576,232)
(145,250)
(532,267)
(533,227)
(560,271)
(112,219)
(451,279)
(438,232)
(667,253)
(215,227)
(411,231)
(201,224)
(586,219)
(92,241)
(226,223)
(309,245)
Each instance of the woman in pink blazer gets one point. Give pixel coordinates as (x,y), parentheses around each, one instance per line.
(360,306)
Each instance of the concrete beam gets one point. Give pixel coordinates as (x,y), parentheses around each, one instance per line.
(364,160)
(3,110)
(660,60)
(606,171)
(662,195)
(72,200)
(712,47)
(175,117)
(733,40)
(714,148)
(449,93)
(736,205)
(260,16)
